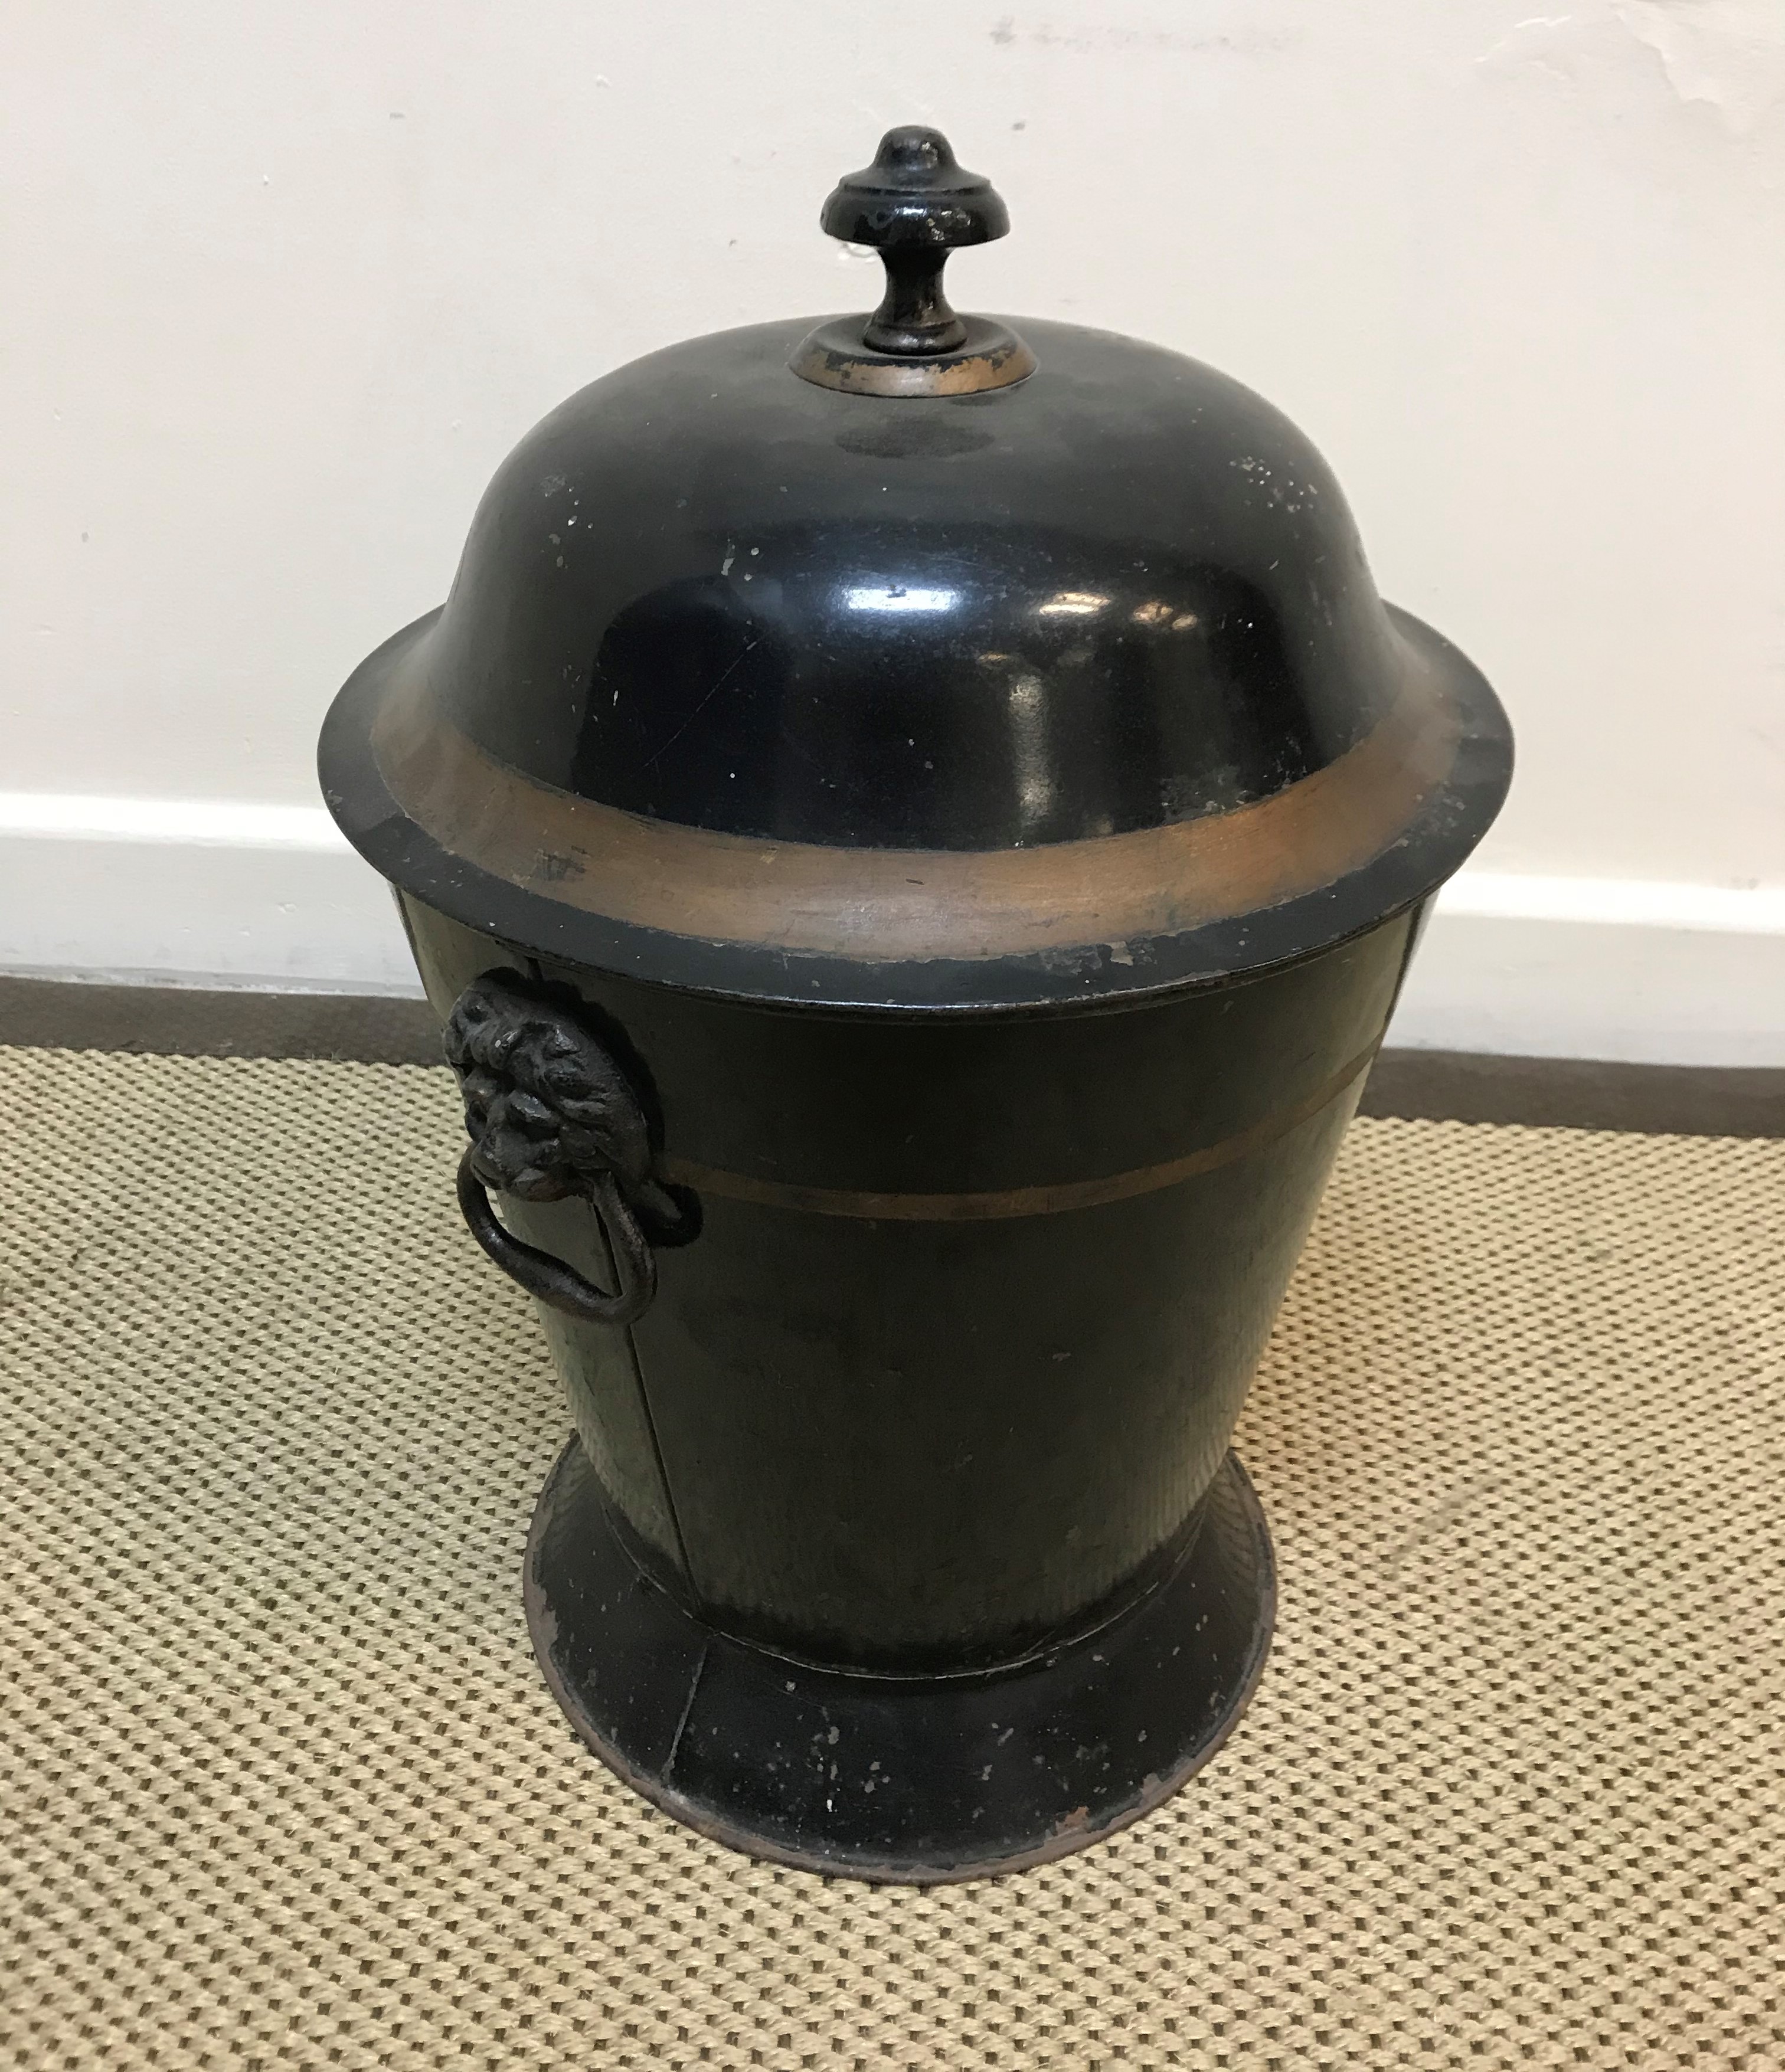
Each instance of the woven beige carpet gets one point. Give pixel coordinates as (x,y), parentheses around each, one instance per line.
(283,1788)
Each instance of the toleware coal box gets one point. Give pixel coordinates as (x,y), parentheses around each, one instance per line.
(915,825)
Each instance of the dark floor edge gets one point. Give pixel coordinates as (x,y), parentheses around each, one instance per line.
(195,1021)
(1452,1086)
(1578,1093)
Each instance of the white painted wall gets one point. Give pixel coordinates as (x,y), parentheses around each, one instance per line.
(280,285)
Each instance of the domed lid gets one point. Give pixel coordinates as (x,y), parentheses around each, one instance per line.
(916,660)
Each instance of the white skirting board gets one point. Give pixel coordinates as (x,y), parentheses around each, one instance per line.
(177,893)
(1643,971)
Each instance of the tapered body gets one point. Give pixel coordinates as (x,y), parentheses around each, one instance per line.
(975,1303)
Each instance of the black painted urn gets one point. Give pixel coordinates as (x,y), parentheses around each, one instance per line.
(915,825)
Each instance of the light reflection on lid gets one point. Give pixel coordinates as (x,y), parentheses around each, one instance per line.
(895,597)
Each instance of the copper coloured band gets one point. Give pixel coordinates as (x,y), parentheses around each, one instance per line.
(900,905)
(999,1204)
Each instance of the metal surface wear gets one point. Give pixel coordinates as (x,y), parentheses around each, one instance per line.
(896,905)
(908,1781)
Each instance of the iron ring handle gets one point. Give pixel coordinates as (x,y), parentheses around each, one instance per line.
(548,1279)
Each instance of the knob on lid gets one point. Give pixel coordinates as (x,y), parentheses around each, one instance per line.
(915,193)
(915,204)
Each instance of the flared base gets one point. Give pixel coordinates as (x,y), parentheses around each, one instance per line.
(908,1781)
